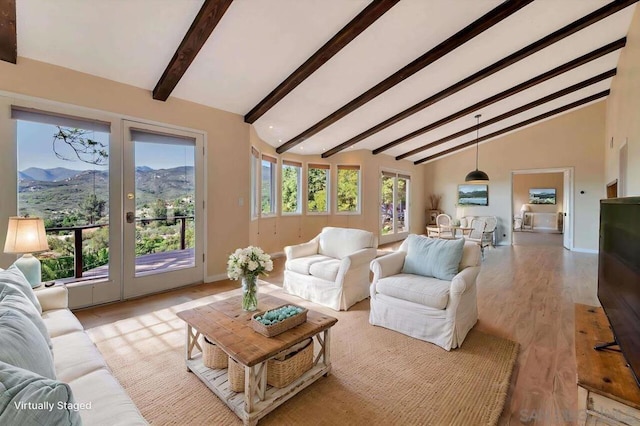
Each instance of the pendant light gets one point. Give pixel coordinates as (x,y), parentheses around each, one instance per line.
(477,175)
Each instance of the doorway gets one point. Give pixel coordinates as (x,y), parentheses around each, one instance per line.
(394,202)
(163,226)
(542,207)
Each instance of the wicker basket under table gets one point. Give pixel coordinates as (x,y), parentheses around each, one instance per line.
(213,356)
(280,373)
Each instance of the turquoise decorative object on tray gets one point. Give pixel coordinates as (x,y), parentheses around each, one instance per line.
(275,321)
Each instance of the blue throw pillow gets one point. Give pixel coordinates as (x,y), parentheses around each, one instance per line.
(13,298)
(27,398)
(432,257)
(15,278)
(22,345)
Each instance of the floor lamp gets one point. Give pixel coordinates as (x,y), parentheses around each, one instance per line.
(26,235)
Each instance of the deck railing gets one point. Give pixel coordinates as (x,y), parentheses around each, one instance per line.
(77,236)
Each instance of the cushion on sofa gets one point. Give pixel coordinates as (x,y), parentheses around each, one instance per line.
(75,355)
(15,278)
(22,344)
(13,298)
(432,257)
(302,265)
(326,270)
(61,321)
(27,398)
(341,242)
(426,291)
(110,404)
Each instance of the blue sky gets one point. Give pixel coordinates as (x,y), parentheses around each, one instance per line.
(35,149)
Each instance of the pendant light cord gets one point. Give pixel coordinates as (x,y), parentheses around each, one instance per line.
(477,137)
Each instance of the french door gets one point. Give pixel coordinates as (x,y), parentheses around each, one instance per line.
(394,206)
(163,203)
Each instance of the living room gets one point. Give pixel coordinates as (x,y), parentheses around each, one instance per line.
(587,140)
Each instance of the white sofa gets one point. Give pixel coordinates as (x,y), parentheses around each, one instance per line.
(333,268)
(78,365)
(427,308)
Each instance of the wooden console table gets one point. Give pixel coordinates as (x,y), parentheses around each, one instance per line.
(228,326)
(607,392)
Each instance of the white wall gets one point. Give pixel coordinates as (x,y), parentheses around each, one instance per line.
(623,113)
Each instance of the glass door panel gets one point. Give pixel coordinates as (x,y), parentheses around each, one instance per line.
(63,177)
(163,224)
(402,213)
(386,207)
(394,206)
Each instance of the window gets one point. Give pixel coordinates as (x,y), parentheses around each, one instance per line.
(317,188)
(255,184)
(63,177)
(394,213)
(268,185)
(348,191)
(291,187)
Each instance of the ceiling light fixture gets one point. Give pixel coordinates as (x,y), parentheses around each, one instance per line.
(477,175)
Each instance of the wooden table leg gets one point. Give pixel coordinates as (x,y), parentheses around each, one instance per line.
(192,342)
(255,384)
(187,347)
(327,349)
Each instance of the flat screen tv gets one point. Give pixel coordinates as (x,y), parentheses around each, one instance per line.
(619,274)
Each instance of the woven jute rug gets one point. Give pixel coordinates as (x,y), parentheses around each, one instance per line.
(379,377)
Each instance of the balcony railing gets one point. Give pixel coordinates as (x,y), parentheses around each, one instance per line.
(78,230)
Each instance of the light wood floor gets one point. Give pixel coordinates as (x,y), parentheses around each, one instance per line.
(524,238)
(525,293)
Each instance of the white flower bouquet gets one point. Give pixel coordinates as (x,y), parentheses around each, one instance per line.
(250,261)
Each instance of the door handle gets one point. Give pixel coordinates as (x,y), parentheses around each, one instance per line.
(131,217)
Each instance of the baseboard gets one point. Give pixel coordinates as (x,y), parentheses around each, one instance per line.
(583,250)
(214,278)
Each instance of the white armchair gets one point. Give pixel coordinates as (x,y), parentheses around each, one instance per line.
(332,269)
(431,309)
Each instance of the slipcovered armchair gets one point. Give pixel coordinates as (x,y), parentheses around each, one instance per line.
(427,290)
(332,269)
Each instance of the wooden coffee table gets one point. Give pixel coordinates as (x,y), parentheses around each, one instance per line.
(228,326)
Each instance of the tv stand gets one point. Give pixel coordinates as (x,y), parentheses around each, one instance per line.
(607,346)
(607,392)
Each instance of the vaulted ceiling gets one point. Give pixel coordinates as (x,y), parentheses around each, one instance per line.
(399,77)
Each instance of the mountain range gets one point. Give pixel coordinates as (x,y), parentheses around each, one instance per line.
(60,173)
(46,192)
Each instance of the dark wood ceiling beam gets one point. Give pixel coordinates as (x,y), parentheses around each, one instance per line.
(490,19)
(203,25)
(346,35)
(517,126)
(526,107)
(8,36)
(611,47)
(550,39)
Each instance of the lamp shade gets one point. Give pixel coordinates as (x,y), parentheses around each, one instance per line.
(525,208)
(476,176)
(25,235)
